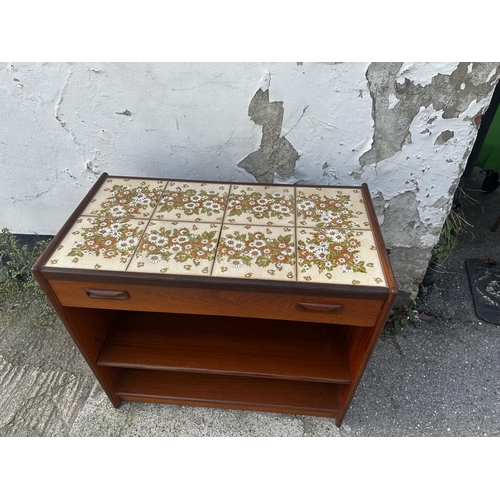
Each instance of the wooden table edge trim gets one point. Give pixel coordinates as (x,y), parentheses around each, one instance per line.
(379,241)
(61,234)
(234,284)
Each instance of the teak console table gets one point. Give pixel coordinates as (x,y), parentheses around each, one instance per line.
(247,296)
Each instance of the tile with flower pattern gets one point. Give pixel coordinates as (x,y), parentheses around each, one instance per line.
(261,205)
(171,247)
(256,252)
(339,256)
(265,232)
(99,243)
(331,207)
(193,201)
(122,197)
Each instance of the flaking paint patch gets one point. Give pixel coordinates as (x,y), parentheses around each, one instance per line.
(492,74)
(423,73)
(391,120)
(443,90)
(415,169)
(393,100)
(276,155)
(444,136)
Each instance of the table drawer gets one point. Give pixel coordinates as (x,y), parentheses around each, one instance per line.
(186,300)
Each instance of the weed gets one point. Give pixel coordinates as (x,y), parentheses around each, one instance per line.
(399,319)
(18,287)
(454,225)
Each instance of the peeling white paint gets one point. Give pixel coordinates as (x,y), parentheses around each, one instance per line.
(429,240)
(427,169)
(393,100)
(265,82)
(337,126)
(422,73)
(187,120)
(491,75)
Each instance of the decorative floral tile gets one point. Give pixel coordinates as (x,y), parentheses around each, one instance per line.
(256,252)
(194,201)
(287,233)
(331,207)
(172,247)
(347,257)
(122,197)
(261,205)
(99,243)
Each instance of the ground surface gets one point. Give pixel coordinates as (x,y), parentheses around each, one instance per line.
(438,378)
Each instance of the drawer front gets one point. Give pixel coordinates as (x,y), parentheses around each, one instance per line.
(284,306)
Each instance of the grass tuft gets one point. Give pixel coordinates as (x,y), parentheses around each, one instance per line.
(18,287)
(453,226)
(398,320)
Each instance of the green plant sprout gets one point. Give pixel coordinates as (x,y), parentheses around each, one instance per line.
(18,286)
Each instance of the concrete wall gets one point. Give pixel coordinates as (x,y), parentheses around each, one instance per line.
(404,128)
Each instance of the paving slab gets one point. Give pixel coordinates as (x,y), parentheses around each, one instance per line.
(98,418)
(36,402)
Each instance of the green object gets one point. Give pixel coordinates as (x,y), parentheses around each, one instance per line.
(489,156)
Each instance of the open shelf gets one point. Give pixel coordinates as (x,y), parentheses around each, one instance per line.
(218,345)
(228,392)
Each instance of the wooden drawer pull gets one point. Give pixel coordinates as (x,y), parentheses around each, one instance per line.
(320,308)
(93,293)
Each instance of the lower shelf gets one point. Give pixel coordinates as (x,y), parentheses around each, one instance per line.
(227,346)
(224,391)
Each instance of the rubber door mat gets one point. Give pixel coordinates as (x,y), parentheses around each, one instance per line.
(484,281)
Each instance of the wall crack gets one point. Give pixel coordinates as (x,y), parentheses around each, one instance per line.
(57,111)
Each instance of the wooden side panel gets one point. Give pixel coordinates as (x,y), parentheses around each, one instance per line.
(88,329)
(66,227)
(361,342)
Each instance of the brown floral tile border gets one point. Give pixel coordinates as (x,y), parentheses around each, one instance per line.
(331,207)
(176,248)
(193,201)
(256,252)
(261,205)
(131,198)
(99,243)
(338,256)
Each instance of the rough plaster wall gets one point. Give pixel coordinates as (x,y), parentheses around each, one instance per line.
(62,125)
(423,133)
(404,128)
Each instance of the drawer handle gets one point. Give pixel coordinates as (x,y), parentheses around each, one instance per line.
(320,308)
(93,293)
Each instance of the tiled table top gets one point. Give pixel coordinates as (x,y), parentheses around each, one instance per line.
(274,232)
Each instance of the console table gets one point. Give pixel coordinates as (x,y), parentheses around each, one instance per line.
(247,296)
